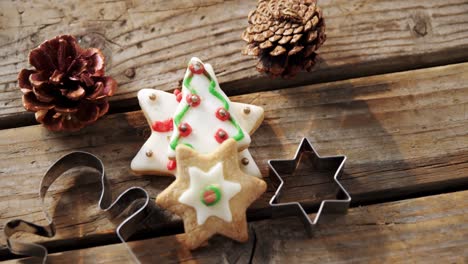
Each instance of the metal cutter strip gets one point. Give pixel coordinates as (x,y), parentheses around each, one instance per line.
(333,164)
(123,201)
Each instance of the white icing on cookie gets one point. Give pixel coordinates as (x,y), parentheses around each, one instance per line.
(159,106)
(202,118)
(251,167)
(199,180)
(249,116)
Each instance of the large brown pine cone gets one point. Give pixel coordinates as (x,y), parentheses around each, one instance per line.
(67,89)
(284,34)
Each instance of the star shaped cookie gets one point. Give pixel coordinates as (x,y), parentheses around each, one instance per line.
(159,107)
(211,194)
(214,202)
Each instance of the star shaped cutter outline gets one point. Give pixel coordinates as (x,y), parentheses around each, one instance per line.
(334,164)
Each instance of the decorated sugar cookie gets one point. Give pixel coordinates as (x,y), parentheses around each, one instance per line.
(203,118)
(159,107)
(211,194)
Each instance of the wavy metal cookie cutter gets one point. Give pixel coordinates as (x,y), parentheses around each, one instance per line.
(125,200)
(333,165)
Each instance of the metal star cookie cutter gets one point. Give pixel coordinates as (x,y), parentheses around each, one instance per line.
(332,164)
(125,200)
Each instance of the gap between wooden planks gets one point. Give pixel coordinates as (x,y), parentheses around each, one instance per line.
(405,134)
(148,44)
(430,229)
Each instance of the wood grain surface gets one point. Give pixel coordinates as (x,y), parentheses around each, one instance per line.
(425,230)
(405,134)
(148,43)
(431,229)
(165,249)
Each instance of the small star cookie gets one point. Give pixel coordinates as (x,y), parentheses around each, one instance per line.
(211,194)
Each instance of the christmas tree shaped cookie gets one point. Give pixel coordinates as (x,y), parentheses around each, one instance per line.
(203,118)
(211,194)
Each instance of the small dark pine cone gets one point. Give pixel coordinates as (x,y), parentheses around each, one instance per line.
(67,89)
(284,35)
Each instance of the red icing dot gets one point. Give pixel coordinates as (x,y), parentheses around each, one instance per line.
(185,129)
(193,100)
(178,95)
(197,68)
(171,165)
(222,114)
(209,197)
(221,135)
(163,126)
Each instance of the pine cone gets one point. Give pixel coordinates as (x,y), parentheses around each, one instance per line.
(67,89)
(284,34)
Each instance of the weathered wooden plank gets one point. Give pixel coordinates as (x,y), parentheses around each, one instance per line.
(404,134)
(431,229)
(156,250)
(148,43)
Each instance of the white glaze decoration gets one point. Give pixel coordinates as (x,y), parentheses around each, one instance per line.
(162,108)
(198,181)
(202,118)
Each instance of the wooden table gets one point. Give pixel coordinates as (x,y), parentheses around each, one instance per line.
(391,93)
